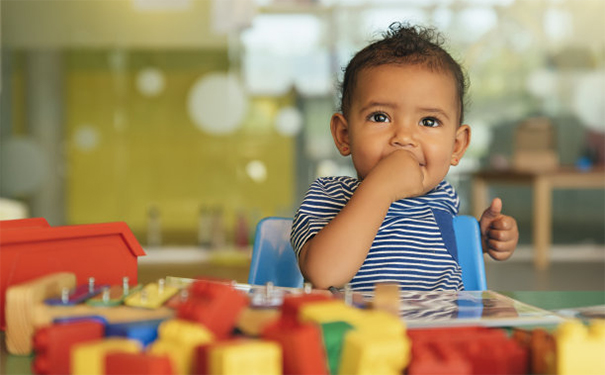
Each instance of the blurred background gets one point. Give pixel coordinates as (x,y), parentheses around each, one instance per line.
(192,119)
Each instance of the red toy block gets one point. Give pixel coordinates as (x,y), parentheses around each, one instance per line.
(487,350)
(302,346)
(217,306)
(30,248)
(438,359)
(53,344)
(137,364)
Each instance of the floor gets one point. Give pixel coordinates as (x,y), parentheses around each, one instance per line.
(579,267)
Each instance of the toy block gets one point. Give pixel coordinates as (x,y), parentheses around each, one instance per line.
(239,357)
(381,322)
(178,339)
(331,311)
(152,296)
(488,350)
(542,352)
(292,304)
(302,346)
(580,348)
(145,331)
(31,249)
(215,305)
(333,337)
(23,298)
(26,311)
(367,353)
(89,358)
(53,344)
(137,364)
(438,359)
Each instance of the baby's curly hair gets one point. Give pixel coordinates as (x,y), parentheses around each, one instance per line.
(404,44)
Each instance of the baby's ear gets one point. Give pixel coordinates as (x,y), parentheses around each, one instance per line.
(340,133)
(461,143)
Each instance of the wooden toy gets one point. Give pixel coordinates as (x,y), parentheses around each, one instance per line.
(26,310)
(215,305)
(114,295)
(77,295)
(178,339)
(88,358)
(30,248)
(151,296)
(137,363)
(386,298)
(53,344)
(22,299)
(580,348)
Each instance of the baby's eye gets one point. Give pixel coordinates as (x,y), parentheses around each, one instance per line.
(430,122)
(379,117)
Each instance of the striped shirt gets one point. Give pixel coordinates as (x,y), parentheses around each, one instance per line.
(409,248)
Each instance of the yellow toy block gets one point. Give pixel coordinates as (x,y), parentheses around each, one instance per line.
(580,349)
(249,357)
(381,323)
(366,353)
(89,358)
(178,338)
(330,311)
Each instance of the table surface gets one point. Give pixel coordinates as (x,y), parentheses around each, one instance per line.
(548,300)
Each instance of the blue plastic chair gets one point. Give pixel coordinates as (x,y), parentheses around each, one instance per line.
(273,258)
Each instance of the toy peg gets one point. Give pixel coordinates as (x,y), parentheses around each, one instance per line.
(386,298)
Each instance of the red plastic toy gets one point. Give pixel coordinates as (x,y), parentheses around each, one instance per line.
(137,363)
(302,346)
(53,344)
(485,351)
(30,248)
(215,305)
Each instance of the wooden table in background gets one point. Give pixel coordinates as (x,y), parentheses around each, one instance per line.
(542,184)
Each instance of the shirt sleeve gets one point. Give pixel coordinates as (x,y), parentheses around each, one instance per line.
(322,202)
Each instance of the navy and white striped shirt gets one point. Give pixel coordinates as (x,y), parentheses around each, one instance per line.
(409,248)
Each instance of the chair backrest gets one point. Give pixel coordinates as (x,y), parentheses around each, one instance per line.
(273,258)
(470,252)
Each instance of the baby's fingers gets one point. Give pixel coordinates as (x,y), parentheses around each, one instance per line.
(502,235)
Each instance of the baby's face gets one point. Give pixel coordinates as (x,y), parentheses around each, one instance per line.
(405,107)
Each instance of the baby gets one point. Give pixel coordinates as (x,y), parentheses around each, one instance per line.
(401,121)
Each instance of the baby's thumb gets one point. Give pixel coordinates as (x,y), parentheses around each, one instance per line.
(494,209)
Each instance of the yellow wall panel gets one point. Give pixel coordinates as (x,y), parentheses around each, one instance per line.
(148,152)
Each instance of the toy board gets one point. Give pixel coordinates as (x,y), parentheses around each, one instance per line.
(436,308)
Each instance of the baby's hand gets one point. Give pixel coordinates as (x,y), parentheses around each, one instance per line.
(398,175)
(499,233)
